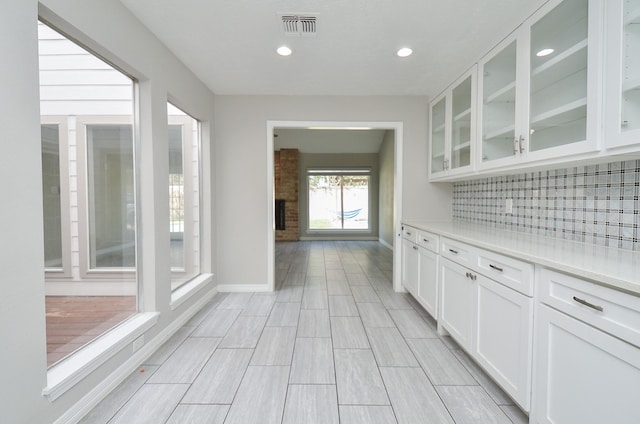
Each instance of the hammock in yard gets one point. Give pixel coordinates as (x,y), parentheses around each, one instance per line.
(347,214)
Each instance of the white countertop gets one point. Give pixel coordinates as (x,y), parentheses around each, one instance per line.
(616,268)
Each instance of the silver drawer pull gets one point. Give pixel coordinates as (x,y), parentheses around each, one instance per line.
(591,305)
(453,251)
(408,233)
(425,240)
(415,247)
(497,268)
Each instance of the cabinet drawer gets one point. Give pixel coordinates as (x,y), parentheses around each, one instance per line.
(429,241)
(460,253)
(511,272)
(612,311)
(410,233)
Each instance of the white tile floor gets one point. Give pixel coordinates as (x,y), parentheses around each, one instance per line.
(334,344)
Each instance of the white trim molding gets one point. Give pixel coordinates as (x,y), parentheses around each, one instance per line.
(243,288)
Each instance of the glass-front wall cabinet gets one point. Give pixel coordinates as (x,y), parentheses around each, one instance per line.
(453,127)
(558,77)
(499,104)
(438,111)
(623,79)
(535,89)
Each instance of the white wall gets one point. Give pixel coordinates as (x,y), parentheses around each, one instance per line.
(386,180)
(111,31)
(241,167)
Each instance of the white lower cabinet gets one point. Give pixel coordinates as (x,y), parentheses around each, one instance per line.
(582,374)
(504,337)
(457,307)
(428,281)
(410,270)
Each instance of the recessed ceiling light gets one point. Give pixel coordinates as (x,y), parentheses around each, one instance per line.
(284,51)
(404,52)
(544,52)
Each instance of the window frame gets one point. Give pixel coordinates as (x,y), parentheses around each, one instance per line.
(346,172)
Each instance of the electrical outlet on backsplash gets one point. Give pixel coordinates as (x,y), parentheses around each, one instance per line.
(593,204)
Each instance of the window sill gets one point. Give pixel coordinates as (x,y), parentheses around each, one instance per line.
(66,374)
(185,291)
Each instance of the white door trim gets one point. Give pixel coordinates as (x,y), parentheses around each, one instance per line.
(396,126)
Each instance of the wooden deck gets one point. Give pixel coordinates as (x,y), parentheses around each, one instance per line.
(73,321)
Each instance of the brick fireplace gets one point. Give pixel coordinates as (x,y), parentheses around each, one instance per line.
(286,188)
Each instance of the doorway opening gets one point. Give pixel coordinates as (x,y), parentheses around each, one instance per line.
(331,160)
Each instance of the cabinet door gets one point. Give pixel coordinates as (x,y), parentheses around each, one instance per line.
(497,87)
(457,302)
(428,281)
(583,375)
(623,82)
(563,87)
(504,336)
(410,263)
(462,130)
(437,122)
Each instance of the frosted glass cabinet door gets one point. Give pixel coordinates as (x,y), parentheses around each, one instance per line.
(623,83)
(438,125)
(461,124)
(498,76)
(558,75)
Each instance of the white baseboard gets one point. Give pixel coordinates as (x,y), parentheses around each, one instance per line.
(385,244)
(242,288)
(99,392)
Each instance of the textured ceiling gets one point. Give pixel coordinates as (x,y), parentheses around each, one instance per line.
(230,44)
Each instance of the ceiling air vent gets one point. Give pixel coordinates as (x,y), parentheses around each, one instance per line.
(299,24)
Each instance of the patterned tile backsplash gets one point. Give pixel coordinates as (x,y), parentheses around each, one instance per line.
(593,204)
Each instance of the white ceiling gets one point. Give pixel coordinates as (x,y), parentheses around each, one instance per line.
(230,44)
(328,140)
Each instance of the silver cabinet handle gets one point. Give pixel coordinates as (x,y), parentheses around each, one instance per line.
(591,305)
(453,251)
(515,146)
(497,268)
(408,233)
(415,247)
(521,144)
(425,240)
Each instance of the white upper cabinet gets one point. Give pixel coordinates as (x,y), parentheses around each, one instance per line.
(623,73)
(539,90)
(453,128)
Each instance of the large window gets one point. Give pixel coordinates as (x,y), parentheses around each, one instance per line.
(89,201)
(184,196)
(338,199)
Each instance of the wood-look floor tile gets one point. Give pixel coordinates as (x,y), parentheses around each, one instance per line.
(275,346)
(169,346)
(259,306)
(312,362)
(244,333)
(235,301)
(152,404)
(362,294)
(199,414)
(470,405)
(315,299)
(411,324)
(338,288)
(284,315)
(311,404)
(342,306)
(186,362)
(389,348)
(261,396)
(105,410)
(393,300)
(496,393)
(290,293)
(358,378)
(358,414)
(314,323)
(217,323)
(515,414)
(375,315)
(440,365)
(348,333)
(220,378)
(358,279)
(413,398)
